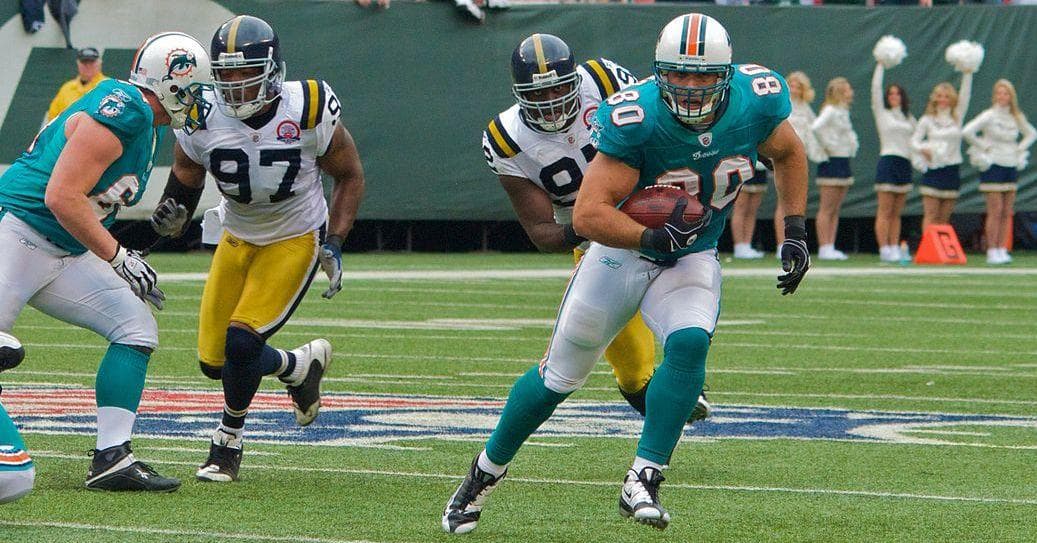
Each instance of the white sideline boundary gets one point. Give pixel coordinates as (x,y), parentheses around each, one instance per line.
(564,273)
(162,531)
(570,482)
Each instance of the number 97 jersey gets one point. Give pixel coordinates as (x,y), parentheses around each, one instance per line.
(636,127)
(269,176)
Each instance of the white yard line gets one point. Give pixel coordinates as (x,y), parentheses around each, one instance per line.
(182,533)
(571,482)
(564,273)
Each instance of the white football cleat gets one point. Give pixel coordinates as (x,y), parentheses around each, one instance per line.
(316,356)
(639,498)
(465,506)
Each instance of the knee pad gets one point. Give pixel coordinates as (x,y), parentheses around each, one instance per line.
(11,351)
(686,349)
(212,372)
(242,346)
(16,484)
(584,324)
(140,332)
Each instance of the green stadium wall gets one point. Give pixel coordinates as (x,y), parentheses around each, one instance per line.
(418,83)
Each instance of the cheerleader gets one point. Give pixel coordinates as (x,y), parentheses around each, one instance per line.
(937,137)
(743,216)
(895,125)
(999,154)
(835,133)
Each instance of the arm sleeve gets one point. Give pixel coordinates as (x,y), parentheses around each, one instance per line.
(619,142)
(325,130)
(499,165)
(970,132)
(186,143)
(964,95)
(877,102)
(918,138)
(1028,133)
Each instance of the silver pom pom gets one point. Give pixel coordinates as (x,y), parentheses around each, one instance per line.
(889,51)
(966,56)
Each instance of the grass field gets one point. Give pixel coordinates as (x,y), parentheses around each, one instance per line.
(879,403)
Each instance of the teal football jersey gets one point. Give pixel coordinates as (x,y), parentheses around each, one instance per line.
(122,108)
(636,127)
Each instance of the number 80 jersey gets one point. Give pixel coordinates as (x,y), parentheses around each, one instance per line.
(269,177)
(636,127)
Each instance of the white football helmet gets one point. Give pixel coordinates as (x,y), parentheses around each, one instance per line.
(176,68)
(693,43)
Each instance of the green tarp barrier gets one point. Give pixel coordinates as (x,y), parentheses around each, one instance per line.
(418,83)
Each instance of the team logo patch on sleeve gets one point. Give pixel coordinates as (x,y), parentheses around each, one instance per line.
(112,105)
(288,131)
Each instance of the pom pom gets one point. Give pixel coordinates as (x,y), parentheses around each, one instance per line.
(919,163)
(889,51)
(1024,159)
(979,158)
(965,56)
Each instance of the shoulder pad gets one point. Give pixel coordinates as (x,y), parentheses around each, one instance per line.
(602,77)
(314,96)
(501,143)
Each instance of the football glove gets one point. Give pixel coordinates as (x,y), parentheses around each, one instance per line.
(331,262)
(170,218)
(795,258)
(676,233)
(143,281)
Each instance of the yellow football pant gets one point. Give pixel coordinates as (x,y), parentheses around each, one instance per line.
(632,353)
(258,286)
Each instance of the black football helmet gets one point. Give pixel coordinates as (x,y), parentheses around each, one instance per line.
(542,62)
(246,42)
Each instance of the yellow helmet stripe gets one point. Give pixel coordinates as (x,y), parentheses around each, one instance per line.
(538,47)
(232,34)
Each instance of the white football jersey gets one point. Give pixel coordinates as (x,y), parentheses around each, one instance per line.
(269,177)
(554,161)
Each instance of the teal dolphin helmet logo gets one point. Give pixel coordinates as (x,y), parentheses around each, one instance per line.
(180,63)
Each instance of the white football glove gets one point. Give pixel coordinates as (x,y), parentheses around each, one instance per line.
(169,219)
(330,257)
(143,280)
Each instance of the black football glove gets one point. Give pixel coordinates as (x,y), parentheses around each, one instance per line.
(795,258)
(676,233)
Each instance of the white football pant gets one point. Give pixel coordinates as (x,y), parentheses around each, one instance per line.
(608,287)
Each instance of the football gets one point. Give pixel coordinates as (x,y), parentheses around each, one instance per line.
(652,205)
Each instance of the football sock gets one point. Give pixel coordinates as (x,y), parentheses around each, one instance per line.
(488,466)
(291,371)
(642,463)
(673,392)
(529,404)
(118,387)
(248,359)
(636,399)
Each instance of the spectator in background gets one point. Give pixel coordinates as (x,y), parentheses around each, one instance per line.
(88,63)
(384,4)
(743,216)
(835,133)
(802,94)
(895,125)
(999,154)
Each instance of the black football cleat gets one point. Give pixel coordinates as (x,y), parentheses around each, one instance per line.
(115,469)
(465,506)
(305,395)
(222,465)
